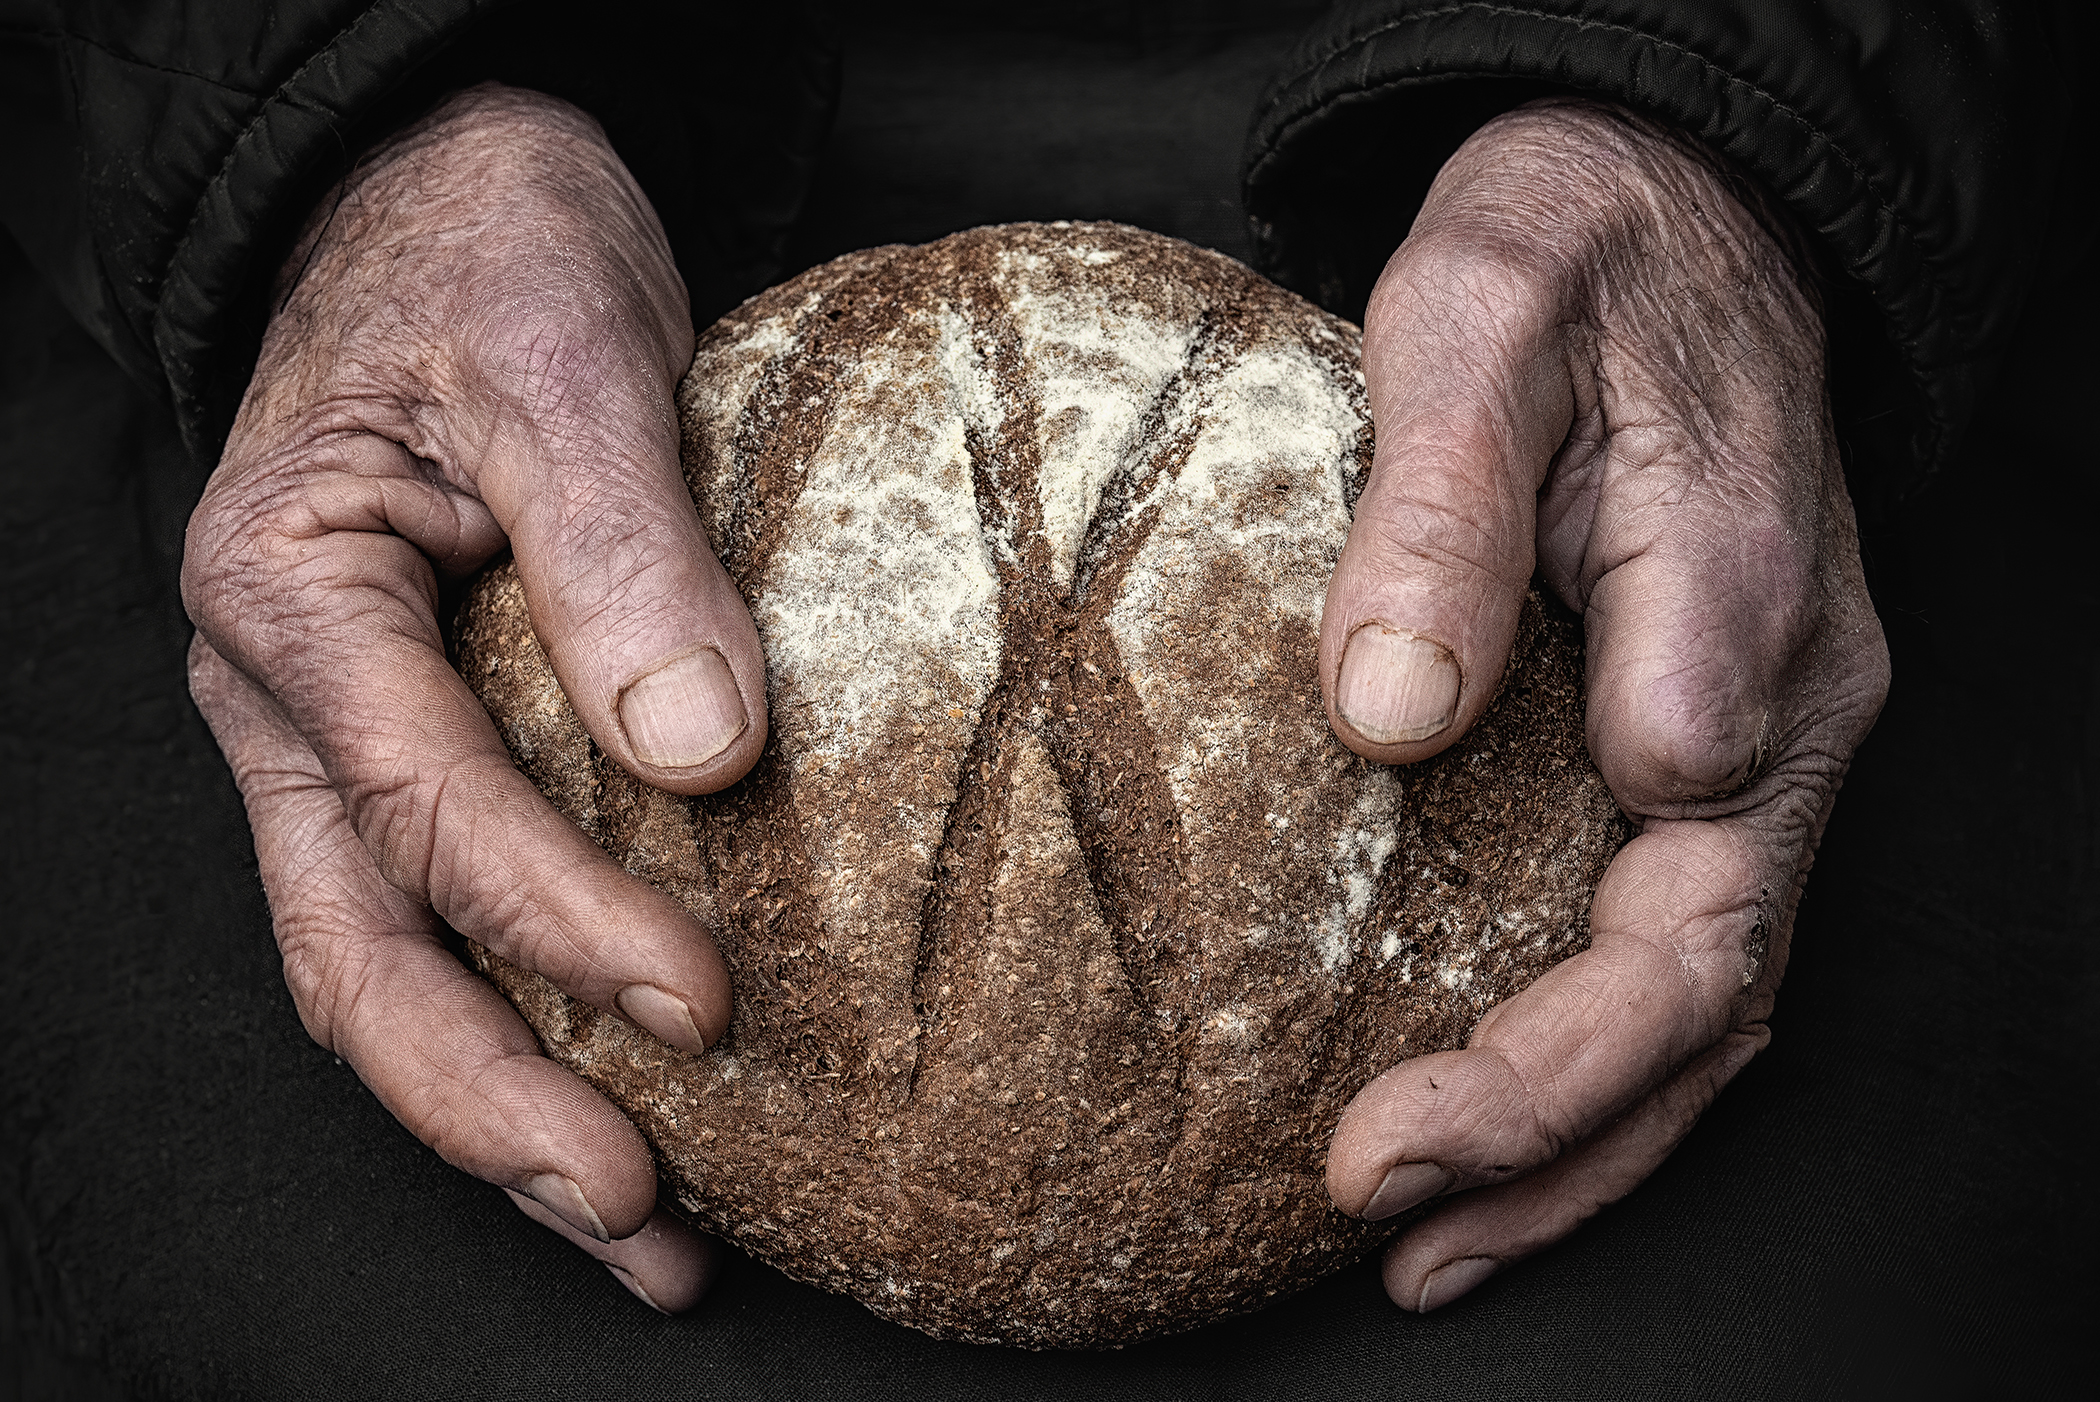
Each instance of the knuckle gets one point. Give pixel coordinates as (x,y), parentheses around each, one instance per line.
(511,919)
(1479,280)
(426,831)
(477,1113)
(329,974)
(441,1110)
(1867,674)
(575,363)
(1679,729)
(1516,1122)
(263,570)
(540,937)
(231,549)
(1408,532)
(397,810)
(1705,961)
(1485,267)
(1730,919)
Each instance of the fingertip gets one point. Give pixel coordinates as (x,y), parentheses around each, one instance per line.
(1407,1185)
(664,1263)
(555,1140)
(635,1287)
(1413,641)
(1394,687)
(686,723)
(617,1204)
(458,1067)
(1409,1136)
(668,1017)
(644,628)
(667,1265)
(711,1008)
(1419,1292)
(683,1000)
(1475,1236)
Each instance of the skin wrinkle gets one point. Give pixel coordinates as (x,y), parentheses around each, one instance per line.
(409,508)
(1768,805)
(492,1044)
(622,611)
(604,526)
(539,937)
(1693,739)
(558,358)
(1692,1029)
(314,963)
(360,608)
(519,926)
(489,1084)
(478,1095)
(327,974)
(1790,738)
(1446,555)
(1551,1127)
(442,1105)
(457,899)
(319,881)
(393,844)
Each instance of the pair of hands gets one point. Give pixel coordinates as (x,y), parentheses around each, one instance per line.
(1588,359)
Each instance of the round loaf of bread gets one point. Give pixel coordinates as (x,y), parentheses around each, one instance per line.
(1061,928)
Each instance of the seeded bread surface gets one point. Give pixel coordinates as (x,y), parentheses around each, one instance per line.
(1061,928)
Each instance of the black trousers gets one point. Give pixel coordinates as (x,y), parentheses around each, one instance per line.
(1894,1200)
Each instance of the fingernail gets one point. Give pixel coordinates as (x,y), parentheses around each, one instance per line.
(1396,686)
(634,1287)
(664,1014)
(685,712)
(559,1194)
(1453,1279)
(1405,1185)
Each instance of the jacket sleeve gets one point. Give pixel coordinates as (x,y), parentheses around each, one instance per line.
(1919,143)
(157,158)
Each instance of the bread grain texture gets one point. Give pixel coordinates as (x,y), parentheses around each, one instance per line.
(1061,928)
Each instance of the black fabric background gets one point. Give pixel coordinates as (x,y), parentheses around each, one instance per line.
(195,1201)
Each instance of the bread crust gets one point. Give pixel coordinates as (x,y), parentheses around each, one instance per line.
(1061,928)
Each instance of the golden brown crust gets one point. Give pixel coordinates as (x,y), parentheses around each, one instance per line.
(1061,928)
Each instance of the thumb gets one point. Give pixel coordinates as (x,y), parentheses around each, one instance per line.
(1465,362)
(641,623)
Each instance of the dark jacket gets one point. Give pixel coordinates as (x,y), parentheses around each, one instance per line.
(159,156)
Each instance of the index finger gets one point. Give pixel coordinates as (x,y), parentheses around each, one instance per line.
(1683,926)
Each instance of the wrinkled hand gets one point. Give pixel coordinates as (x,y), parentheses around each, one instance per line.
(477,344)
(1591,360)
